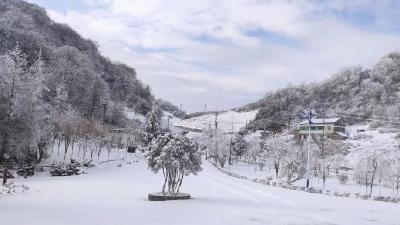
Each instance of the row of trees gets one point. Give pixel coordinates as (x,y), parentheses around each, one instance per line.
(382,168)
(89,135)
(288,158)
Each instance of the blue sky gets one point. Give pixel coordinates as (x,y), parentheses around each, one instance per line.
(63,6)
(229,53)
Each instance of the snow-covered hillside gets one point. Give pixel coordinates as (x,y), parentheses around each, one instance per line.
(364,140)
(167,121)
(226,121)
(132,115)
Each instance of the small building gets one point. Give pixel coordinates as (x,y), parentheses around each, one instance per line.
(333,128)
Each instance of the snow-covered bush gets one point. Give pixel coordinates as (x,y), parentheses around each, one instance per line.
(176,156)
(361,137)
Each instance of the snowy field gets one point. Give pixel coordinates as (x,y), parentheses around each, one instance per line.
(111,195)
(225,119)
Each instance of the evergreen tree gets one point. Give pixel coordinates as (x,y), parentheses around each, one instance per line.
(152,124)
(239,145)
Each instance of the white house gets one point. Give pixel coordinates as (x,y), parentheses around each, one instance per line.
(333,128)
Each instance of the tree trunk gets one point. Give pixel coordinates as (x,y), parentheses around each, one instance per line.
(58,148)
(276,166)
(5,175)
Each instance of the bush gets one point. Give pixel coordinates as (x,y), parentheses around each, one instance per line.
(361,137)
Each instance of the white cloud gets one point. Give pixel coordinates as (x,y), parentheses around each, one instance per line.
(204,47)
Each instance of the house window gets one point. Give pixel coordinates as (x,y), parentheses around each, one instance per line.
(329,128)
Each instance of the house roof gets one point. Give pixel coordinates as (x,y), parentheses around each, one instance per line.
(320,121)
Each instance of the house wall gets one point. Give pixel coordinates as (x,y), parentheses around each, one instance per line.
(317,129)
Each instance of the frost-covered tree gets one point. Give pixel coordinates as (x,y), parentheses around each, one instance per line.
(366,170)
(176,156)
(23,114)
(393,171)
(217,144)
(275,149)
(239,145)
(254,149)
(330,153)
(152,124)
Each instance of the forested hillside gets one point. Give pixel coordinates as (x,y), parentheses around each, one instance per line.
(55,87)
(69,58)
(354,91)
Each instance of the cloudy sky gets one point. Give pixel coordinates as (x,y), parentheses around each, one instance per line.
(227,53)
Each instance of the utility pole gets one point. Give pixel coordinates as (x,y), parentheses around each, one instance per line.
(216,139)
(216,121)
(168,118)
(323,147)
(205,107)
(104,111)
(308,149)
(230,147)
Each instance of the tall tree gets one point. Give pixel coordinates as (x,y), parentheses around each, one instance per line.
(152,124)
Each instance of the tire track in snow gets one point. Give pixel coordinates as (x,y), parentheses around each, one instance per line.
(228,188)
(229,183)
(220,181)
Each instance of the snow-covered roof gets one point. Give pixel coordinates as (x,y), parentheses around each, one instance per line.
(341,134)
(320,121)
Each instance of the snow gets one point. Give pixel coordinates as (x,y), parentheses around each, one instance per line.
(132,115)
(111,195)
(225,120)
(382,140)
(172,120)
(321,121)
(332,183)
(164,120)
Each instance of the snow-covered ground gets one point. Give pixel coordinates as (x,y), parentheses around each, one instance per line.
(381,140)
(332,184)
(362,141)
(111,195)
(225,119)
(132,115)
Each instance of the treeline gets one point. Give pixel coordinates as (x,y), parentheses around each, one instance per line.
(353,91)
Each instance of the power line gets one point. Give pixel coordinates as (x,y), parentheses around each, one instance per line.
(360,118)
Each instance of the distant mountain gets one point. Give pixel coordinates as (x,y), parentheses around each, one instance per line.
(358,93)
